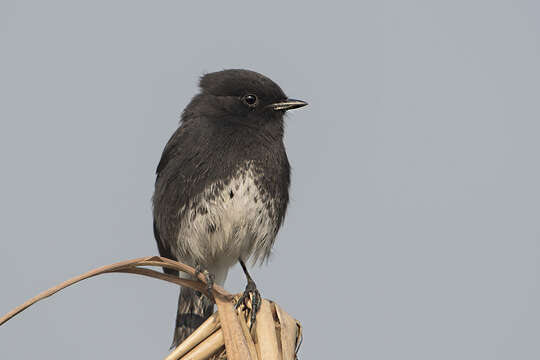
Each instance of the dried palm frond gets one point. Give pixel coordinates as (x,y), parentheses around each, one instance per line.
(227,334)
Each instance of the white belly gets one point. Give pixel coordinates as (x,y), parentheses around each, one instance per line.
(234,224)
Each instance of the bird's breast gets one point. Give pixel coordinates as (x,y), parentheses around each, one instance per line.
(231,218)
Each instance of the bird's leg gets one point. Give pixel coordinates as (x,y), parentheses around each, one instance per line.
(250,292)
(209,277)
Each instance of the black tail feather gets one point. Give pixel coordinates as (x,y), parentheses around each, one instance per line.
(193,309)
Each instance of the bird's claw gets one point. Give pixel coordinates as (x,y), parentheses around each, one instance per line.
(251,293)
(208,276)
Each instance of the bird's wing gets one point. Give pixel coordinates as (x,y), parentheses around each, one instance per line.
(177,179)
(168,153)
(164,251)
(170,150)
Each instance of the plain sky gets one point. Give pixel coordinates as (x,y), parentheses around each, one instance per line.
(413,231)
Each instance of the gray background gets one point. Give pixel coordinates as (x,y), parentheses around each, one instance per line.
(413,230)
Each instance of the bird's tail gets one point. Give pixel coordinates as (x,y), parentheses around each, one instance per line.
(193,309)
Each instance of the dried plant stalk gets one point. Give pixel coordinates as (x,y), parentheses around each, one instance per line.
(276,336)
(289,334)
(128,266)
(279,325)
(235,341)
(265,333)
(247,333)
(203,332)
(210,346)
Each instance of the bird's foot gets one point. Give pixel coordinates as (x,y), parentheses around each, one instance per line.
(251,293)
(208,276)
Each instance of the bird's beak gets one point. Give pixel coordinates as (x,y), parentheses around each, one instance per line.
(288,104)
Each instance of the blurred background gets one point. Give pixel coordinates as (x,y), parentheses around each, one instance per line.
(413,230)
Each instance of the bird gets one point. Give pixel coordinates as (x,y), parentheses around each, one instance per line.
(222,184)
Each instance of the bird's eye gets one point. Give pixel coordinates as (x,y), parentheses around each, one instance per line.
(250,100)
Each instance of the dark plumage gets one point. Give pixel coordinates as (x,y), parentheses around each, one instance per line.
(222,182)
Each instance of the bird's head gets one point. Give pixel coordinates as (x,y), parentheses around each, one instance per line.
(242,96)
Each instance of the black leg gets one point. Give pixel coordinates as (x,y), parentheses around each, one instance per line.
(250,292)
